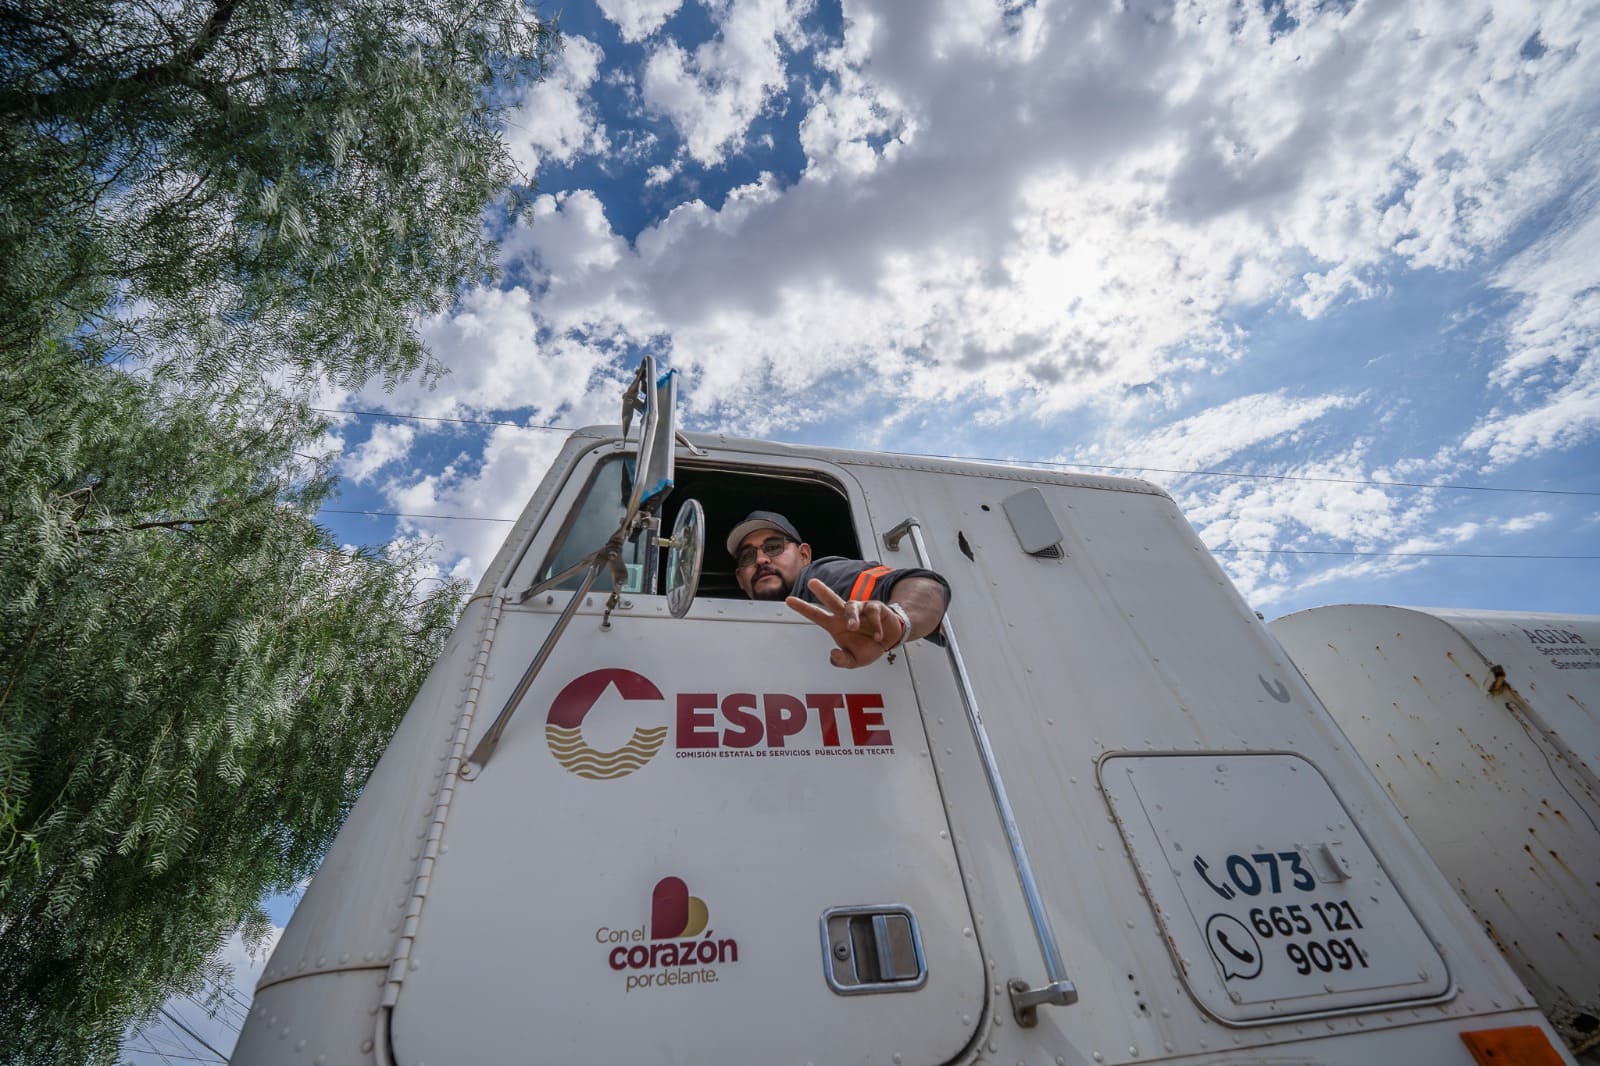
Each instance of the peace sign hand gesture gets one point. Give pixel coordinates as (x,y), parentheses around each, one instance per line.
(862,629)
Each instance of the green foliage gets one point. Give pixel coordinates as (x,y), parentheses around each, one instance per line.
(194,683)
(245,185)
(197,200)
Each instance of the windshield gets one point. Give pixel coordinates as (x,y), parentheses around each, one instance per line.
(597,516)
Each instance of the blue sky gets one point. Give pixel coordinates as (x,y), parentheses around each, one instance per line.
(1347,243)
(1325,245)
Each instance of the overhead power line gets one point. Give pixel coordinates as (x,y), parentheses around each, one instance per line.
(168,1056)
(1252,551)
(1119,468)
(1398,555)
(1268,477)
(408,514)
(439,418)
(196,1037)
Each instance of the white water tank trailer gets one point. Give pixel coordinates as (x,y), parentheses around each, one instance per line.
(1485,728)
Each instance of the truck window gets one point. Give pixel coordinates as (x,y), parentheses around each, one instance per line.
(814,502)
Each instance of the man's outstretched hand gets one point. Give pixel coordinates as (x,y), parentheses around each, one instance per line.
(862,629)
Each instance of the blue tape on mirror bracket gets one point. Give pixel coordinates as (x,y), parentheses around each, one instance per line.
(663,399)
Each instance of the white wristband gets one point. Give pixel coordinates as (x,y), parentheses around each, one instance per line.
(905,625)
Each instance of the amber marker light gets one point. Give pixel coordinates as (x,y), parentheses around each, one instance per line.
(1518,1045)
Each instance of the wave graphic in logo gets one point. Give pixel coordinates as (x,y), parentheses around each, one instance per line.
(563,729)
(570,751)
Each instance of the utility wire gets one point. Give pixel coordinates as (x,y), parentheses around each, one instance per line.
(1398,555)
(1254,551)
(437,418)
(1446,486)
(157,1053)
(196,1037)
(227,1013)
(168,1056)
(1265,477)
(408,514)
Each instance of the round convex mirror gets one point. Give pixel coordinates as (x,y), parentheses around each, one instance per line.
(684,559)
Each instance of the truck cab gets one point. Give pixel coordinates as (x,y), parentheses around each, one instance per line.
(1105,822)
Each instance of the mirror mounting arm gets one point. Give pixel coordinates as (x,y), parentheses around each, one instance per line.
(485,747)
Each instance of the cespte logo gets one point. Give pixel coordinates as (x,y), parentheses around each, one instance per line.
(675,948)
(563,729)
(715,725)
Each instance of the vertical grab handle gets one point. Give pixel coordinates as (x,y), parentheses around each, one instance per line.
(1059,989)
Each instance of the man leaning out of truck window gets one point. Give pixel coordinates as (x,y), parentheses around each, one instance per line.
(868,609)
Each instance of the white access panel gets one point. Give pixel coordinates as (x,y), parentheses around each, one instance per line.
(1268,891)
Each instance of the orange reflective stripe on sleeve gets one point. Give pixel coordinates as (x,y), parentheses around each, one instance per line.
(866,581)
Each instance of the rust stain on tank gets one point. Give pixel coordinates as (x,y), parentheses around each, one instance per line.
(1553,810)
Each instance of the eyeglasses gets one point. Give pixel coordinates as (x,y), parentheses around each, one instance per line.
(772,547)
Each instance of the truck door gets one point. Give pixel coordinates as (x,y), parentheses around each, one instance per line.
(695,842)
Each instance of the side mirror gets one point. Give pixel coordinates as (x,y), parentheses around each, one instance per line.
(686,554)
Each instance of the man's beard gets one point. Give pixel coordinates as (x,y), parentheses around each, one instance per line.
(776,592)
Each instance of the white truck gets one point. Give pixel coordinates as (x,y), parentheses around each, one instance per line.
(1108,822)
(1485,728)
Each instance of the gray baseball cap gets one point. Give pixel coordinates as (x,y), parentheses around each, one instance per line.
(761,520)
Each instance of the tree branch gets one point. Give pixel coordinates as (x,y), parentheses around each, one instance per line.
(183,525)
(179,70)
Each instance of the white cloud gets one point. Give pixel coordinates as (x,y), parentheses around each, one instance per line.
(1015,213)
(638,19)
(1055,206)
(1227,429)
(495,353)
(1550,376)
(1460,532)
(713,94)
(1524,523)
(388,443)
(1563,418)
(513,462)
(555,119)
(1250,520)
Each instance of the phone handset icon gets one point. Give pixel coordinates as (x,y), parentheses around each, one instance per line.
(1234,947)
(1200,867)
(1241,955)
